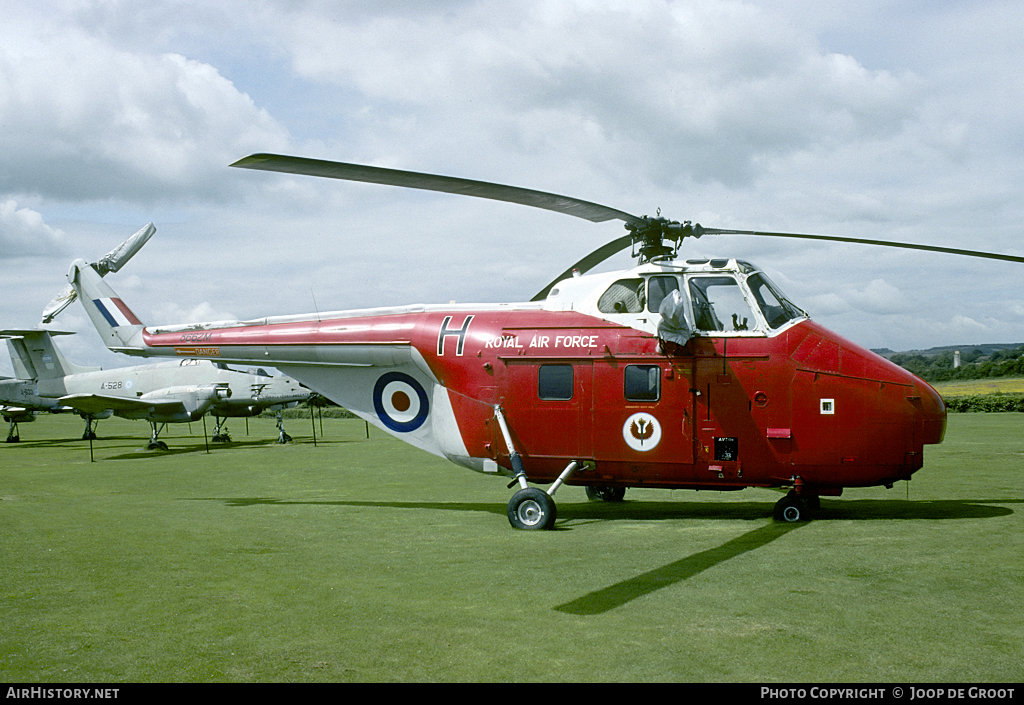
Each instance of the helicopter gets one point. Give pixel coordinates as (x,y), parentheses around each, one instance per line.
(698,374)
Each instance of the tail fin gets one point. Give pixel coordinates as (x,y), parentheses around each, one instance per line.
(35,356)
(119,328)
(112,262)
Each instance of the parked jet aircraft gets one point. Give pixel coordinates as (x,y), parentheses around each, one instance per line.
(161,393)
(19,401)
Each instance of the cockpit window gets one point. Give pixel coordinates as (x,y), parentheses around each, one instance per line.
(718,305)
(776,308)
(658,287)
(624,296)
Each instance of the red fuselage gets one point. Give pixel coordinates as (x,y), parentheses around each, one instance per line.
(801,405)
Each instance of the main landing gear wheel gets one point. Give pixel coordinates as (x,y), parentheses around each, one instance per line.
(793,508)
(531,509)
(605,493)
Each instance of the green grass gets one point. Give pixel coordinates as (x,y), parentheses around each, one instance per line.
(366,560)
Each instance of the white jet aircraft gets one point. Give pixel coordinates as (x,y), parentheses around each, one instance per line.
(167,392)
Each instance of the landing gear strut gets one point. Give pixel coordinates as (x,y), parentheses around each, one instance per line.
(154,442)
(220,431)
(530,508)
(90,433)
(12,433)
(282,437)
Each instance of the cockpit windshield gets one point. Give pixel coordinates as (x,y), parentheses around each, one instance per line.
(742,300)
(719,305)
(776,308)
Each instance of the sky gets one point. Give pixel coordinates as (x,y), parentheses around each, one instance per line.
(896,120)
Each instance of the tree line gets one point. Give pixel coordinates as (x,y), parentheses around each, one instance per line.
(974,364)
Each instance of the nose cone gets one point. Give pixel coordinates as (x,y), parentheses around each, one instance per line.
(931,417)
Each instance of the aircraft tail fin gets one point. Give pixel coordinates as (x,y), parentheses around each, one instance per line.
(119,328)
(34,355)
(113,261)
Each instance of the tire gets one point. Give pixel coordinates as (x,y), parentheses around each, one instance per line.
(531,509)
(791,509)
(605,493)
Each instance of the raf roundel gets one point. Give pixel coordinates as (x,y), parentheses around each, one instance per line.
(400,402)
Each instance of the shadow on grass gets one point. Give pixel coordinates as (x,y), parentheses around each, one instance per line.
(568,514)
(621,593)
(626,591)
(172,449)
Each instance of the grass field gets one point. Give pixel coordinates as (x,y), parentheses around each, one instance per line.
(366,560)
(994,385)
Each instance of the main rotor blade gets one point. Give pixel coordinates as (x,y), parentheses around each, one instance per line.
(567,205)
(589,262)
(863,241)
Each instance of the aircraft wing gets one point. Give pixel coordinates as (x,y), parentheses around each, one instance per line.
(95,403)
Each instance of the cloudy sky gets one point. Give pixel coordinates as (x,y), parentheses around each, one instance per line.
(893,120)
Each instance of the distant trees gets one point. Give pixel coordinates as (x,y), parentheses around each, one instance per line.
(974,364)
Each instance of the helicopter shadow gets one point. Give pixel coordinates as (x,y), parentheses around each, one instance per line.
(852,510)
(619,594)
(624,592)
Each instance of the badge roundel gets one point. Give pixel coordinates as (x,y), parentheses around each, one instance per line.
(400,402)
(641,432)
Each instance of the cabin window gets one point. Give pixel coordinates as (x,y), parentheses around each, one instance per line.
(776,309)
(657,289)
(718,305)
(624,296)
(642,383)
(554,382)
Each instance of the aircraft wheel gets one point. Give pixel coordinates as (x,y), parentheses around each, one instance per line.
(792,508)
(90,436)
(14,439)
(531,509)
(157,445)
(605,493)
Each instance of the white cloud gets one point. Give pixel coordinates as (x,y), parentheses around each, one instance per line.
(879,297)
(84,120)
(23,232)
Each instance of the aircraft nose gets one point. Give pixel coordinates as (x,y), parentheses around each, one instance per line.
(931,413)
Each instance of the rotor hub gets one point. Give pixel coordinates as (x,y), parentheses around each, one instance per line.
(657,238)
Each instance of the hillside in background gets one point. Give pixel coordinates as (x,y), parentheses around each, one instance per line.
(976,361)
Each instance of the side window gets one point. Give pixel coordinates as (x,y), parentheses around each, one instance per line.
(642,383)
(657,289)
(624,296)
(554,382)
(718,305)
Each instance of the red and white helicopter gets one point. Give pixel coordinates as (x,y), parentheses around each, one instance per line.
(698,374)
